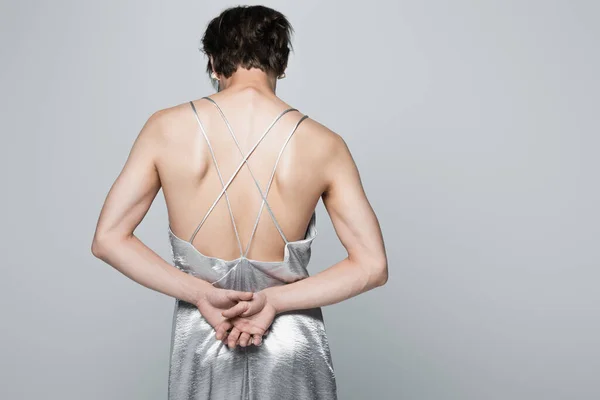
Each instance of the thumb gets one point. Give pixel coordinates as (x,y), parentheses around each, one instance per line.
(236,310)
(236,295)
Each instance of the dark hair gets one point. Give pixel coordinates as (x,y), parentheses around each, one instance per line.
(250,37)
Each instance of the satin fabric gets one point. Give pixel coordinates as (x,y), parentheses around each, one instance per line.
(294,360)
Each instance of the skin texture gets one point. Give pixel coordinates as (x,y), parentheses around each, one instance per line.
(171,153)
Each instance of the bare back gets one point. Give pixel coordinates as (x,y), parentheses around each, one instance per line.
(242,174)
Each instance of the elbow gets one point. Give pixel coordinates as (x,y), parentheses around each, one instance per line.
(97,248)
(100,245)
(380,276)
(375,271)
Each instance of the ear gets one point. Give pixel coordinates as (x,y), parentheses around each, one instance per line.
(212,63)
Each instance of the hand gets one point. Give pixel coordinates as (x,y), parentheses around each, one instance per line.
(260,314)
(247,308)
(216,300)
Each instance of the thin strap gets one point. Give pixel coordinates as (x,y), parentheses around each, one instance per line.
(225,186)
(212,153)
(264,201)
(264,197)
(237,236)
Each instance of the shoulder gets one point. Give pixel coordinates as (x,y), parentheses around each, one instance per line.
(332,154)
(166,132)
(169,126)
(323,140)
(166,121)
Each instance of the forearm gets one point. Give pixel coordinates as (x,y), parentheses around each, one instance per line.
(341,281)
(138,262)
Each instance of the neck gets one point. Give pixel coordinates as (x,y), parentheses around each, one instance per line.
(254,78)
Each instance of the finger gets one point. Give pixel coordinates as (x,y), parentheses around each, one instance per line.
(233,337)
(235,295)
(246,325)
(257,340)
(244,339)
(222,329)
(236,310)
(253,329)
(253,308)
(244,309)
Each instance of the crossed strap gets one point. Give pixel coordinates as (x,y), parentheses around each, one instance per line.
(241,164)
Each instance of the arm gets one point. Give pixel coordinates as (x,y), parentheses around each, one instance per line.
(358,229)
(363,269)
(125,206)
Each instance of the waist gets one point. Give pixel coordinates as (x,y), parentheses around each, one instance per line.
(245,274)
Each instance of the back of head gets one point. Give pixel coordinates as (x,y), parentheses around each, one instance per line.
(247,37)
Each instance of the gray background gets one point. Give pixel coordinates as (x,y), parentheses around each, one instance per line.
(474,125)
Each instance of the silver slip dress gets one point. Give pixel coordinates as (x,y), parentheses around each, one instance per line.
(293,362)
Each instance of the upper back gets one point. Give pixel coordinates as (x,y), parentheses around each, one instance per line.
(292,155)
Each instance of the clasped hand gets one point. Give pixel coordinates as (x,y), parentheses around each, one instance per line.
(238,317)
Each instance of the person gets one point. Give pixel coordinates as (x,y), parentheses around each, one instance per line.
(242,173)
